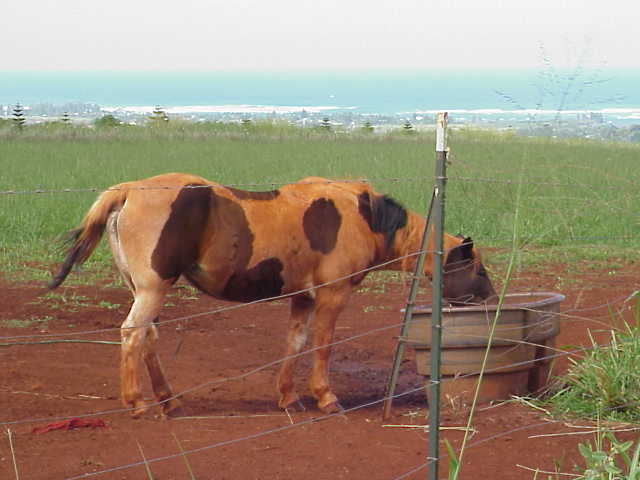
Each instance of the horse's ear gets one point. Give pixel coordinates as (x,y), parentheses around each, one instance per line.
(466,248)
(459,255)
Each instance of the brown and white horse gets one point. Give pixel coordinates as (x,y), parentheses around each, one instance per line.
(243,246)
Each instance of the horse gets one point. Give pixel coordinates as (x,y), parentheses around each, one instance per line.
(314,240)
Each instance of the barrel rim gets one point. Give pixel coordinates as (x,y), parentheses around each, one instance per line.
(550,298)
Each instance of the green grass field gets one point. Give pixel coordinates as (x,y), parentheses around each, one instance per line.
(579,198)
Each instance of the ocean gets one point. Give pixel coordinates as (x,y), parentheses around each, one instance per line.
(480,92)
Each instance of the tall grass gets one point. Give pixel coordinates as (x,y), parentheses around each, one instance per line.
(575,192)
(604,384)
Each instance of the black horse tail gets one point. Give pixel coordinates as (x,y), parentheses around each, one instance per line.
(83,241)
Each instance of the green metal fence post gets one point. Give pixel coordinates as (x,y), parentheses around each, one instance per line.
(437,286)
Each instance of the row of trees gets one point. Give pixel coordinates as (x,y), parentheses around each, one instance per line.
(159,117)
(19,119)
(367,127)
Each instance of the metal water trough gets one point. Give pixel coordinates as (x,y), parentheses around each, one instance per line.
(524,335)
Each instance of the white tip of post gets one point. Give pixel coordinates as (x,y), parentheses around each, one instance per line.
(441,132)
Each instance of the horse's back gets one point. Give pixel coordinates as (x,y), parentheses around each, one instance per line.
(334,187)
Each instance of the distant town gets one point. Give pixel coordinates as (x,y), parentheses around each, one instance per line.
(613,125)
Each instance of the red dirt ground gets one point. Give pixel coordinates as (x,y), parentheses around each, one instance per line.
(237,425)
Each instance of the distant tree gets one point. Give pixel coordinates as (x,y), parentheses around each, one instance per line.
(246,122)
(106,121)
(408,128)
(325,124)
(18,116)
(159,116)
(66,118)
(367,127)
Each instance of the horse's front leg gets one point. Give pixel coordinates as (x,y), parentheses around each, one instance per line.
(301,309)
(330,301)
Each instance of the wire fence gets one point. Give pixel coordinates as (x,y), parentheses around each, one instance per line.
(303,423)
(586,315)
(370,180)
(559,353)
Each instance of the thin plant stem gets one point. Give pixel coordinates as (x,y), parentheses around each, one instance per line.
(186,460)
(46,342)
(13,454)
(146,463)
(505,286)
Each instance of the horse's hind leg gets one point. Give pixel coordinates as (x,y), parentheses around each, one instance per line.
(139,335)
(135,333)
(301,309)
(161,389)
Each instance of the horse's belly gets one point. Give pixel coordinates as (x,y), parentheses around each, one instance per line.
(264,280)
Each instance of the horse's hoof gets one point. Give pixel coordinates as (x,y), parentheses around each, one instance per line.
(170,407)
(295,406)
(175,412)
(291,402)
(139,410)
(333,407)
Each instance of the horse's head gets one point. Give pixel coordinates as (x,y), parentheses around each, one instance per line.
(465,279)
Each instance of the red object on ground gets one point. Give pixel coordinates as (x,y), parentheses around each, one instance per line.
(71,425)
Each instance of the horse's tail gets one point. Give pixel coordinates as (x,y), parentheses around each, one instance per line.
(83,241)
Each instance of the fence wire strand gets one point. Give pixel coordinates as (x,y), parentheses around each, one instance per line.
(291,357)
(368,180)
(227,308)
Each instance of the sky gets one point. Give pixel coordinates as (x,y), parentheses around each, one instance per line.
(275,35)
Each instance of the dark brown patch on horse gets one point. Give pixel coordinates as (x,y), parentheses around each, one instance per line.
(177,247)
(234,244)
(383,215)
(262,281)
(321,223)
(238,243)
(249,195)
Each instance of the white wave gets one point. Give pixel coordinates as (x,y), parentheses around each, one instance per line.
(530,111)
(203,109)
(621,111)
(479,111)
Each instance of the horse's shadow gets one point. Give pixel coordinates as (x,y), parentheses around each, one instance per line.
(369,402)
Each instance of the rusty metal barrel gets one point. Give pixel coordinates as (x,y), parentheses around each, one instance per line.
(525,334)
